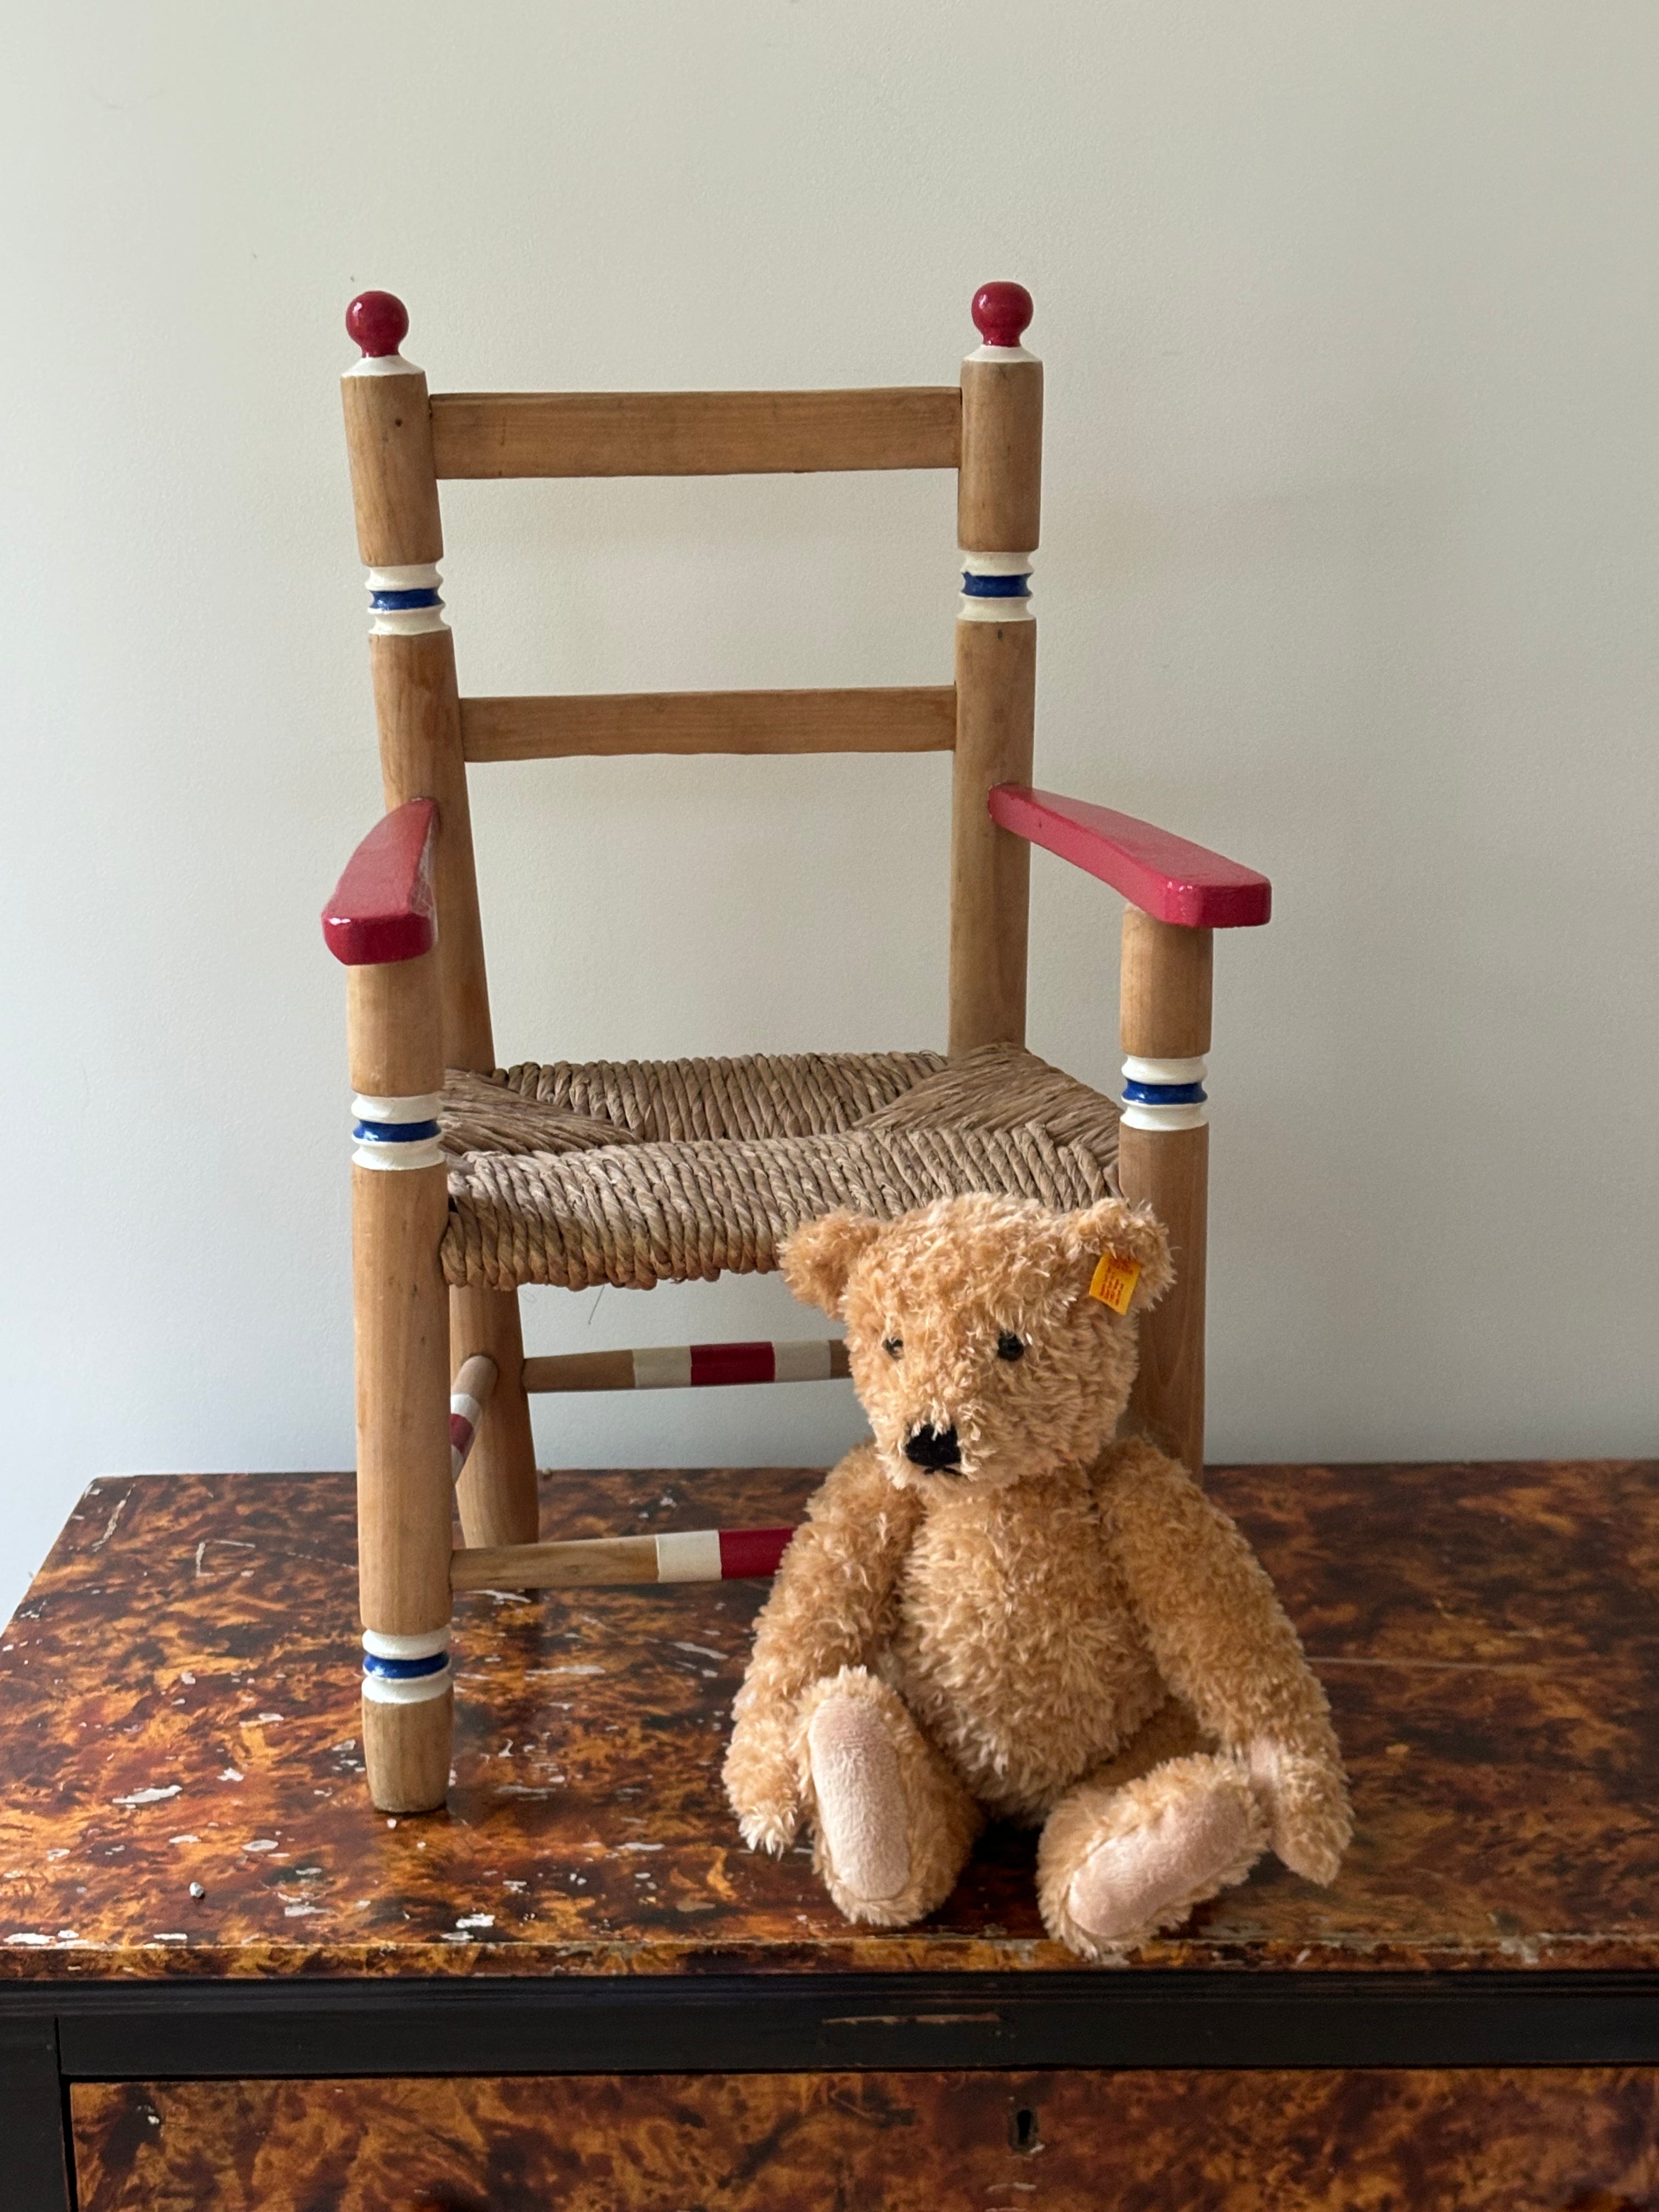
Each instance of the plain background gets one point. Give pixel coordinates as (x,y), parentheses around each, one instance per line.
(1351,316)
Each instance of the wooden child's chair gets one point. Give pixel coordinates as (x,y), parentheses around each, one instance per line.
(469,1181)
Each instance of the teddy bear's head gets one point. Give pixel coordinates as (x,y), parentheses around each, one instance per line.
(977,1347)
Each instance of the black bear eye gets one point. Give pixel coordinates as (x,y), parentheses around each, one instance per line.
(892,1346)
(1009,1346)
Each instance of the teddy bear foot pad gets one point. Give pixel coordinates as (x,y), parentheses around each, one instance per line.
(1155,1849)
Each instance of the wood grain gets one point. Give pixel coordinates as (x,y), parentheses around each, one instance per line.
(1164,1013)
(394,1038)
(1486,2140)
(416,711)
(1165,991)
(580,1370)
(915,718)
(404,1487)
(394,492)
(1169,1170)
(694,434)
(181,1682)
(999,491)
(990,869)
(496,1494)
(601,1562)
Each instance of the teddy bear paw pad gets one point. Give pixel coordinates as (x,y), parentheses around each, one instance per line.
(1131,1882)
(863,1818)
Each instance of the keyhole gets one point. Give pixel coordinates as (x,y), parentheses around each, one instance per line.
(1022,2131)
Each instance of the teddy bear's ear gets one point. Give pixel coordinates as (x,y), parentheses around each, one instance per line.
(1131,1233)
(818,1258)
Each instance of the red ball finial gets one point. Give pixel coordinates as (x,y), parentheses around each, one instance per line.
(1001,313)
(379,322)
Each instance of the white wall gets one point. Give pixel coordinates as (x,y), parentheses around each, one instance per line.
(1351,527)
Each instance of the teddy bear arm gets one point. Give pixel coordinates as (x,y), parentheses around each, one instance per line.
(831,1608)
(1224,1644)
(831,1602)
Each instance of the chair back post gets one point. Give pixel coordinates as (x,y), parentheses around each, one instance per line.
(998,502)
(394,487)
(411,653)
(1163,1161)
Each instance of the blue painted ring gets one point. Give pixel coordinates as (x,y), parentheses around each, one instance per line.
(1164,1094)
(393,602)
(405,1670)
(996,587)
(394,1133)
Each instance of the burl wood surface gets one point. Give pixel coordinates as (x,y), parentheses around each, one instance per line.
(1532,2140)
(179,1704)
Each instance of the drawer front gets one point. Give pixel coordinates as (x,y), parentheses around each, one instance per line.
(1578,2139)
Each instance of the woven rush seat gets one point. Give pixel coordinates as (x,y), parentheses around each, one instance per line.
(638,1172)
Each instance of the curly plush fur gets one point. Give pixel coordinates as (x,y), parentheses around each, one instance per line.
(1056,1628)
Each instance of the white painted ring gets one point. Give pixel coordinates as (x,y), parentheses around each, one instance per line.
(425,1643)
(995,353)
(663,1367)
(406,621)
(691,1557)
(996,564)
(424,1152)
(420,576)
(382,364)
(419,1106)
(1165,1071)
(1135,1116)
(998,611)
(805,1362)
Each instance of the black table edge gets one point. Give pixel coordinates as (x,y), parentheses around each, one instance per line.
(760,2023)
(55,2034)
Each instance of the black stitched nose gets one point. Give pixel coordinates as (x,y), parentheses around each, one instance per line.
(934,1448)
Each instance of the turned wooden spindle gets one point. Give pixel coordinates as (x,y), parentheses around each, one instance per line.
(412,663)
(1163,1160)
(380,923)
(998,502)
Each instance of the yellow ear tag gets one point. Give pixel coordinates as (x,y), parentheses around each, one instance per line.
(1114,1281)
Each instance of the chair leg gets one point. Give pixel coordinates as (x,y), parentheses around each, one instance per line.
(399,1201)
(497,1490)
(1163,1161)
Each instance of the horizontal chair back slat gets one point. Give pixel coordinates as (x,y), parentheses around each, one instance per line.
(917,719)
(694,434)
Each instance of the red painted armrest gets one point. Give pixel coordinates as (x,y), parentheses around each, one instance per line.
(382,909)
(1164,875)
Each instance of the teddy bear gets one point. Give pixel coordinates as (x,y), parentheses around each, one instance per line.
(999,1608)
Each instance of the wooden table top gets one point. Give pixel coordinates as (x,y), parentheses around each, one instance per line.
(178,1706)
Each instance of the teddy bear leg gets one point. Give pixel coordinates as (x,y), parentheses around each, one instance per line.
(1128,1852)
(894,1823)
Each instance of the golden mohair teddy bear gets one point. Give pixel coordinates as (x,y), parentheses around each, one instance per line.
(994,1609)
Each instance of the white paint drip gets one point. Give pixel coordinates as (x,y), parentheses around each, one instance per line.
(97,1543)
